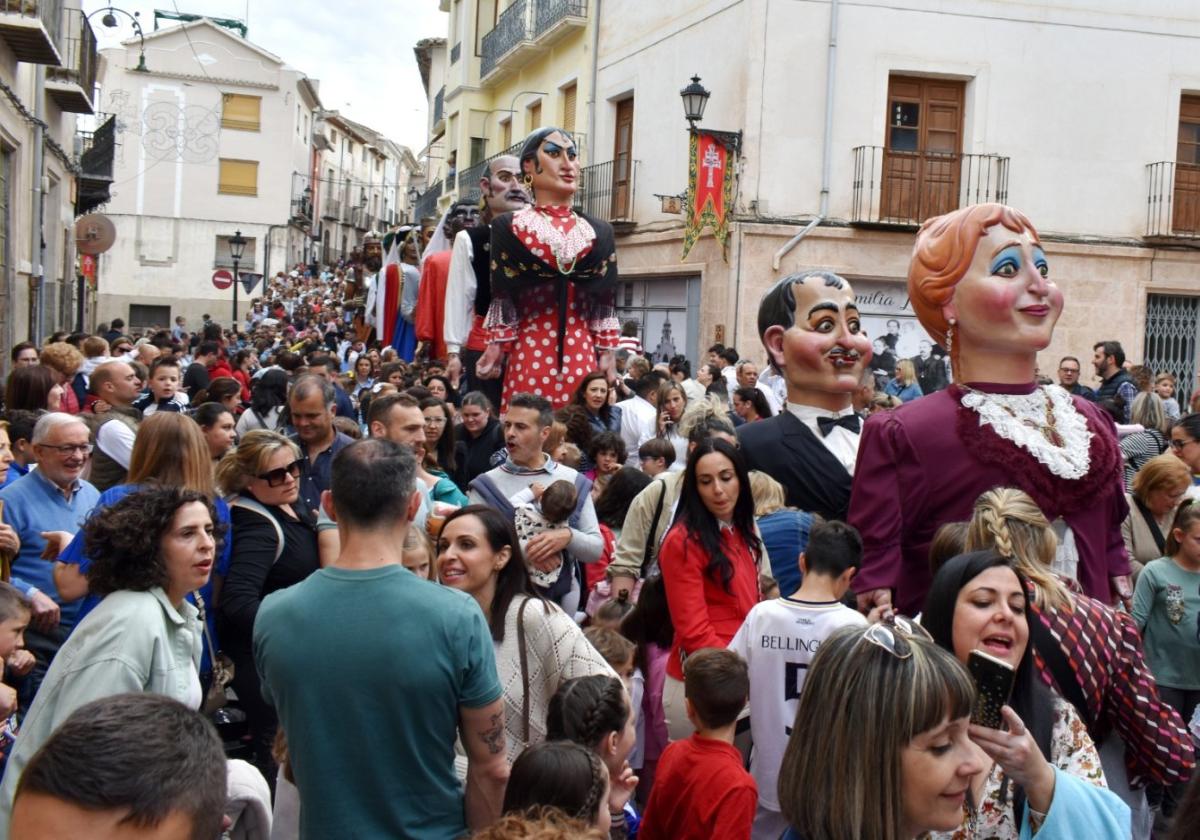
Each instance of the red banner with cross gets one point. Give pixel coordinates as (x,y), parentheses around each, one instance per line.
(710,188)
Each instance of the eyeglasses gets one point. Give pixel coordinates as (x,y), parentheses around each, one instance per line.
(1068,370)
(70,449)
(276,477)
(893,635)
(1178,445)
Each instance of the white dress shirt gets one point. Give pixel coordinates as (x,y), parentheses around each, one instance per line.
(639,423)
(460,295)
(841,442)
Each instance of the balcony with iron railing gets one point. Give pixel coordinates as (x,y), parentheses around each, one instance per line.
(526,28)
(73,84)
(95,151)
(554,19)
(902,189)
(31,28)
(427,202)
(606,192)
(333,209)
(1173,202)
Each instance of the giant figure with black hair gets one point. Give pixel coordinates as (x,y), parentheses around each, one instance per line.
(810,328)
(553,278)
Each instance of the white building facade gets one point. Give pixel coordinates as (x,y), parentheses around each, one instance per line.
(214,138)
(863,119)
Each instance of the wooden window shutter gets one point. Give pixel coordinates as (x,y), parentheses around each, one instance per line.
(535,117)
(506,134)
(568,116)
(238,177)
(241,112)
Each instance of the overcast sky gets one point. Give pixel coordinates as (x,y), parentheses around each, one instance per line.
(360,50)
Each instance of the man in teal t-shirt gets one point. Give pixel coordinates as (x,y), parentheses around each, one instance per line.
(374,671)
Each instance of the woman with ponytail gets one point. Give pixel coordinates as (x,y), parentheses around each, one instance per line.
(1091,653)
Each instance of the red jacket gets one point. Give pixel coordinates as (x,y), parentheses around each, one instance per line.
(220,368)
(701,792)
(704,614)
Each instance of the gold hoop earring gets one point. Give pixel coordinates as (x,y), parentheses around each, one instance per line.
(527,179)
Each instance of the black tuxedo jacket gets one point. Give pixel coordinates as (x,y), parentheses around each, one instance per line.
(792,454)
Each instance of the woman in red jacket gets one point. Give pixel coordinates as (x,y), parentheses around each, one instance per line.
(709,561)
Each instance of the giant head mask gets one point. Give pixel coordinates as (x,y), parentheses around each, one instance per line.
(550,166)
(810,327)
(502,187)
(980,285)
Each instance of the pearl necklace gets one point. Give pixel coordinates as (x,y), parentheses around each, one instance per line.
(1044,423)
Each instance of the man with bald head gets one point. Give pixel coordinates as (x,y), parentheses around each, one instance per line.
(468,289)
(117,384)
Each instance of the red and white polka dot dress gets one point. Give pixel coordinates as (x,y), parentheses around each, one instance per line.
(528,327)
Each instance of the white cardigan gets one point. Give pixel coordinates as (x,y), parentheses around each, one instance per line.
(556,651)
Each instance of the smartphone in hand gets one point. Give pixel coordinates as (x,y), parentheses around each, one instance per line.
(994,683)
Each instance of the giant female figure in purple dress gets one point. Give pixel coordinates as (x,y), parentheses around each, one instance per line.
(981,286)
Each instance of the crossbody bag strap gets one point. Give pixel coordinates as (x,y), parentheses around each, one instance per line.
(1059,666)
(1155,531)
(524,656)
(650,541)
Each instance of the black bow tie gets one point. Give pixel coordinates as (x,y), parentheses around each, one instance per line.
(850,422)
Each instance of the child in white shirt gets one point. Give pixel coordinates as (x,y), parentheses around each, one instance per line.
(778,641)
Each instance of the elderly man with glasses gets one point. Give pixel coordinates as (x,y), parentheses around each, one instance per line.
(51,500)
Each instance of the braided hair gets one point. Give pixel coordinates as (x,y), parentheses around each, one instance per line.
(557,774)
(1010,522)
(586,709)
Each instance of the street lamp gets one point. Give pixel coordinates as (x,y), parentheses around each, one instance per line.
(109,21)
(695,97)
(237,247)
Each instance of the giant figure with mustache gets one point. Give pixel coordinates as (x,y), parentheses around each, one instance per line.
(982,287)
(810,327)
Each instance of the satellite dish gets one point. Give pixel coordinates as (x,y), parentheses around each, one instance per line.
(94,234)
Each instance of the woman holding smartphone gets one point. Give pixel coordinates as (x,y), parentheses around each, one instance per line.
(1043,755)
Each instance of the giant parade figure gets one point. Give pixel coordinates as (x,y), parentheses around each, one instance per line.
(554,276)
(981,287)
(809,325)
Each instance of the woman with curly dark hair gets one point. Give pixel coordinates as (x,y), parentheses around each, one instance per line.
(148,551)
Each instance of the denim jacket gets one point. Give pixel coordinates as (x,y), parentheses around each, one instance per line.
(131,642)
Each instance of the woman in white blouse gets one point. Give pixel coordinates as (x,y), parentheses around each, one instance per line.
(538,646)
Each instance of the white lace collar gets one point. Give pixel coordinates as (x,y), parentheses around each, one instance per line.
(1020,418)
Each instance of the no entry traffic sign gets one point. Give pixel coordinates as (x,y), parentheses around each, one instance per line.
(222,278)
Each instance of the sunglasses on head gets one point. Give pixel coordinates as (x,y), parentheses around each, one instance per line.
(276,477)
(893,635)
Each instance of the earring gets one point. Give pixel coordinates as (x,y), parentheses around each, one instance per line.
(527,179)
(950,335)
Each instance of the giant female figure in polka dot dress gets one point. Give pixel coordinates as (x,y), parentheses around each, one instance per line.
(554,277)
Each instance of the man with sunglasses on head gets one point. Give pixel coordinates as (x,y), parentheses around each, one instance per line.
(51,500)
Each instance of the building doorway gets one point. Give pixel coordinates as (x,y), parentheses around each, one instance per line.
(1172,324)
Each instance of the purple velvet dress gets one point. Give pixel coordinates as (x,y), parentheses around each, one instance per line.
(925,463)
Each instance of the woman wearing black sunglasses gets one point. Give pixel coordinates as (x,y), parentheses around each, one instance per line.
(274,546)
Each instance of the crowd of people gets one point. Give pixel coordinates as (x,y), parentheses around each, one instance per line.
(417,551)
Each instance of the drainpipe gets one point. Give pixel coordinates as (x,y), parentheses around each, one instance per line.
(37,275)
(826,156)
(591,159)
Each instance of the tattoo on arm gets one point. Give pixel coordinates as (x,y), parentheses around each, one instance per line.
(493,736)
